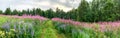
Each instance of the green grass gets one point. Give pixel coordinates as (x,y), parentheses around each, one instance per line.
(43,29)
(3,20)
(49,29)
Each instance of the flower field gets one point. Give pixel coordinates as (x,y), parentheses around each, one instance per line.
(60,19)
(28,26)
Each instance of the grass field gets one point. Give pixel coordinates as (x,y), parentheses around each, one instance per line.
(17,27)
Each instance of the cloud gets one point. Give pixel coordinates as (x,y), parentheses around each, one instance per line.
(3,4)
(66,5)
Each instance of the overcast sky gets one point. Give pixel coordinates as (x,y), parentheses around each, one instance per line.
(43,4)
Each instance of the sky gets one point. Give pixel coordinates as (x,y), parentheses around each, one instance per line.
(66,5)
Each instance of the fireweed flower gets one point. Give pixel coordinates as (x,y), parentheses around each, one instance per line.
(30,16)
(102,25)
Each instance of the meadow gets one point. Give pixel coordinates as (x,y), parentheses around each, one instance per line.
(27,26)
(95,19)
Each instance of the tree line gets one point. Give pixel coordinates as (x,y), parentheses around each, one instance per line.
(95,11)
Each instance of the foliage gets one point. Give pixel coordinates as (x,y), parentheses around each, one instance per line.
(7,11)
(94,11)
(1,12)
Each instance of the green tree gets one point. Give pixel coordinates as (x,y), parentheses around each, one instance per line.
(15,12)
(28,12)
(73,14)
(103,10)
(50,13)
(83,11)
(1,12)
(23,12)
(59,13)
(117,10)
(33,11)
(39,12)
(8,11)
